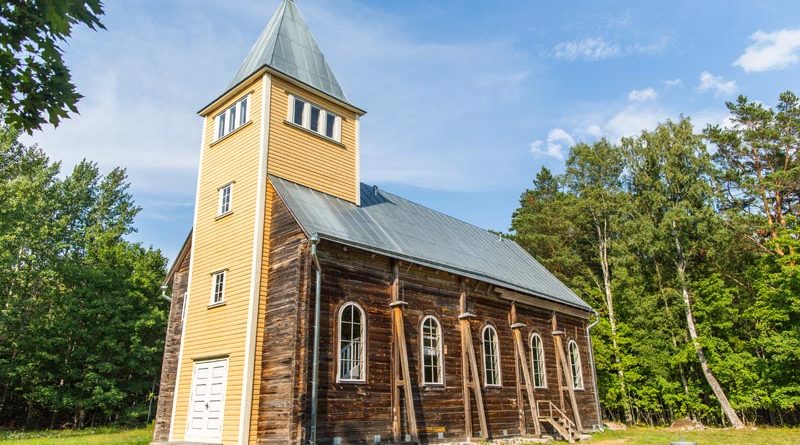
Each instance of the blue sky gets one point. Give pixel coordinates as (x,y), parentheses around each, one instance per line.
(466,99)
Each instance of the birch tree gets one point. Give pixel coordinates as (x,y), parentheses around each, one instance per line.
(682,191)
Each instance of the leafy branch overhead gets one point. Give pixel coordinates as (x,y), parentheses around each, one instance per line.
(35,84)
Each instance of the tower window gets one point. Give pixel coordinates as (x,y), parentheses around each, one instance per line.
(232,118)
(225,199)
(218,287)
(315,118)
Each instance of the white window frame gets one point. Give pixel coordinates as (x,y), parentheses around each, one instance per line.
(339,362)
(322,123)
(220,191)
(496,357)
(538,353)
(439,350)
(240,119)
(214,275)
(577,371)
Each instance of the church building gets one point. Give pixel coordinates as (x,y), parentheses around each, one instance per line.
(307,307)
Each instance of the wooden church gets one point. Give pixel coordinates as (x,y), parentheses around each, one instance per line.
(307,307)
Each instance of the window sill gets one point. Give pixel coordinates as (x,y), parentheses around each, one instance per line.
(218,217)
(313,133)
(433,387)
(351,382)
(213,305)
(244,125)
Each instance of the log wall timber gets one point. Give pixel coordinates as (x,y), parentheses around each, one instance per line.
(358,412)
(172,344)
(285,346)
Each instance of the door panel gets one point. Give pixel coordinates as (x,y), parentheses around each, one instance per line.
(208,393)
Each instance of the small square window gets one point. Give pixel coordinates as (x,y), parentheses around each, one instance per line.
(218,287)
(299,105)
(221,127)
(242,112)
(225,198)
(313,124)
(330,125)
(232,124)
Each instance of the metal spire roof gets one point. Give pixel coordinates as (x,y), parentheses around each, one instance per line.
(390,225)
(286,45)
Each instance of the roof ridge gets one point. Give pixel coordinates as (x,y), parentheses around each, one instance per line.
(448,216)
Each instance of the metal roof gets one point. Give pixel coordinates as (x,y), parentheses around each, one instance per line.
(287,45)
(388,224)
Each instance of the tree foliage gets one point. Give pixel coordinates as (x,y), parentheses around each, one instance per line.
(701,258)
(35,84)
(81,322)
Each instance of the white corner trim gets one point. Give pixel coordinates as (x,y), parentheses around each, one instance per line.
(358,162)
(188,284)
(255,268)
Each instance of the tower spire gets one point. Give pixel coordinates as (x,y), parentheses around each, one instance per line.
(286,45)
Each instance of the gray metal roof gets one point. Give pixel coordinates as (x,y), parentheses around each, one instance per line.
(287,45)
(396,227)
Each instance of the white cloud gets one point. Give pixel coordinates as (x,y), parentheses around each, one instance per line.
(771,50)
(632,119)
(594,130)
(557,141)
(672,83)
(592,48)
(717,84)
(642,95)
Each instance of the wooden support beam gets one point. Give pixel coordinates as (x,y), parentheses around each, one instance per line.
(469,368)
(562,356)
(400,371)
(559,373)
(520,346)
(523,428)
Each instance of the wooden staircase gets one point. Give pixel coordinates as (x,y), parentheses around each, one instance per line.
(550,414)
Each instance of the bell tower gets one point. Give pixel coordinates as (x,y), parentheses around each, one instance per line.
(283,114)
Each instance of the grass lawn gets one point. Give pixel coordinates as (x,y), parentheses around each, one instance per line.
(633,436)
(87,437)
(658,436)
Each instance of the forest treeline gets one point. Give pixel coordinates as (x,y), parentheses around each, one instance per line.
(686,242)
(81,323)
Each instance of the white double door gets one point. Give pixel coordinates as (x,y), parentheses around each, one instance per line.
(208,400)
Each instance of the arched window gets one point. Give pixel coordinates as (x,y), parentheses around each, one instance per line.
(432,362)
(537,360)
(352,341)
(491,357)
(575,362)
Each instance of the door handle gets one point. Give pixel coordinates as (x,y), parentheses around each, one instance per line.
(206,405)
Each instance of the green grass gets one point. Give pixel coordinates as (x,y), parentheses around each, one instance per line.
(101,436)
(661,436)
(633,436)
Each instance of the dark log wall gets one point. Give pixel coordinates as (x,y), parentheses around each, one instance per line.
(172,345)
(285,343)
(357,412)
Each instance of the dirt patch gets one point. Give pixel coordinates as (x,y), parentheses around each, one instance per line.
(686,424)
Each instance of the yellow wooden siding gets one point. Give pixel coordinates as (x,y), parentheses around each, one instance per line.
(225,243)
(308,159)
